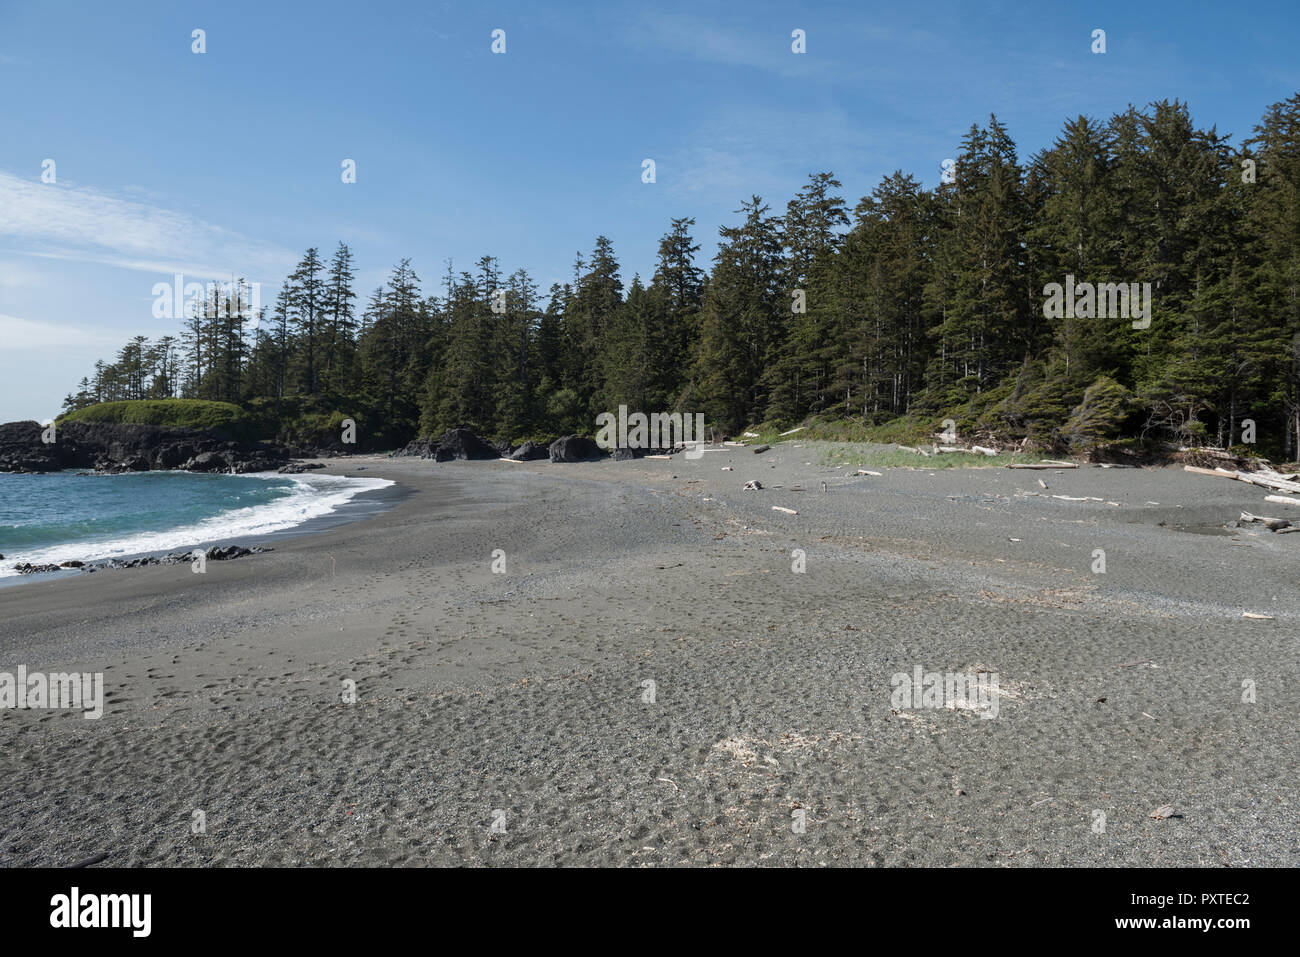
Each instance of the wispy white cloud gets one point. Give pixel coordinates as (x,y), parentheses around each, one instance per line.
(65,222)
(735,153)
(697,38)
(15,275)
(18,333)
(768,48)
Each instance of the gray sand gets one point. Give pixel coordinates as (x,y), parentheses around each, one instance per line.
(523,692)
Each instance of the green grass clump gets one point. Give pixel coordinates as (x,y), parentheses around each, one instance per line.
(177,413)
(867,454)
(905,430)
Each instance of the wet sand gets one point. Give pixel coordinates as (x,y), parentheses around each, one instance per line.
(521,698)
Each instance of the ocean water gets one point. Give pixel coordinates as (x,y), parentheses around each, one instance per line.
(63,516)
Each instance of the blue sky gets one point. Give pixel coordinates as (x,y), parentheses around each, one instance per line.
(228,163)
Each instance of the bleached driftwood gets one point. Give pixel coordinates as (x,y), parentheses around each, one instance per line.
(788,511)
(1282,499)
(1043,465)
(1250,478)
(1272,524)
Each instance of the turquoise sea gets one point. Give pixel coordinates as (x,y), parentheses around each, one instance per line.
(62,516)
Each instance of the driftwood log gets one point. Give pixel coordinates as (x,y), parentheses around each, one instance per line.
(1282,499)
(1272,524)
(1250,478)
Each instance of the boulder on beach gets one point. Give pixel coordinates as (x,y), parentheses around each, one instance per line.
(530,451)
(421,448)
(574,448)
(463,444)
(219,554)
(622,454)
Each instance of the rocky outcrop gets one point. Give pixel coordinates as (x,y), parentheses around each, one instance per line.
(574,448)
(454,444)
(207,462)
(21,449)
(116,447)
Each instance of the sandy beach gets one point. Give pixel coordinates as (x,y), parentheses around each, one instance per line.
(650,683)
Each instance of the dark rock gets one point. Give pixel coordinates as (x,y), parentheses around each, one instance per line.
(115,447)
(72,564)
(173,455)
(622,454)
(26,568)
(21,449)
(422,448)
(574,448)
(530,451)
(258,462)
(207,462)
(463,444)
(215,553)
(219,554)
(297,468)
